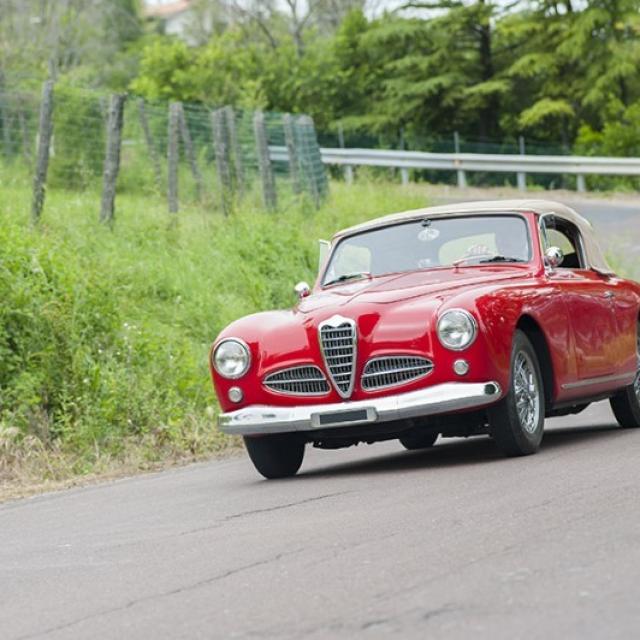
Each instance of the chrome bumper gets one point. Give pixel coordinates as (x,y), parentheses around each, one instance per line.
(441,398)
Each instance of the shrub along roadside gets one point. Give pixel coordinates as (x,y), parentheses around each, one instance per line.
(104,336)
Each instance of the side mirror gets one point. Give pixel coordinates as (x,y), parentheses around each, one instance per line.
(302,290)
(553,257)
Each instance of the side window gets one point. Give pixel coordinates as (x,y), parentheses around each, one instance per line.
(566,236)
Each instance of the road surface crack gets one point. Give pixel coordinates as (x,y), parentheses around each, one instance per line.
(162,594)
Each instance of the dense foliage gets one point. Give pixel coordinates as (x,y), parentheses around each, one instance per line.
(104,337)
(554,70)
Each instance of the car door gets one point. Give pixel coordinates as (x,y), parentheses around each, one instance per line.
(589,297)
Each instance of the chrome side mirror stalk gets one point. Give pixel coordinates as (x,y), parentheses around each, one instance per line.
(553,257)
(302,290)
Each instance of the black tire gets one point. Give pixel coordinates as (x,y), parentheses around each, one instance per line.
(418,439)
(276,456)
(517,422)
(626,404)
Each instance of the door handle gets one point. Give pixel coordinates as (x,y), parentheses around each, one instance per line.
(609,294)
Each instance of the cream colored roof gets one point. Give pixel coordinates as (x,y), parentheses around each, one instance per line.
(595,257)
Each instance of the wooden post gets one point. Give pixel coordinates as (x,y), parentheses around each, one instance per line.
(4,119)
(173,151)
(269,196)
(45,130)
(521,176)
(292,151)
(235,148)
(462,177)
(190,150)
(112,157)
(222,159)
(319,183)
(348,169)
(151,146)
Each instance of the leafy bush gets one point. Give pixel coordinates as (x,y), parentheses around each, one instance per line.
(104,336)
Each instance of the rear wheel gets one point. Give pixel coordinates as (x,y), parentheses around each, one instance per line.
(418,439)
(626,404)
(276,456)
(517,421)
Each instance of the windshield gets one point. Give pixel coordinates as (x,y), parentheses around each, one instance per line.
(429,243)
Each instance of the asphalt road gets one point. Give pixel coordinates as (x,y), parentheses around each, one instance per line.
(453,542)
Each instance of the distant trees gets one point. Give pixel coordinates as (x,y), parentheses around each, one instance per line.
(557,70)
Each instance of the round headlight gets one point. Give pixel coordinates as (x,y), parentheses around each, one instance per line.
(231,358)
(457,329)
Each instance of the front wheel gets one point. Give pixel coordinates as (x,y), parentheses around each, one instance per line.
(626,404)
(517,421)
(276,456)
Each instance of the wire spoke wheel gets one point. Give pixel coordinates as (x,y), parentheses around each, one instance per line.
(527,392)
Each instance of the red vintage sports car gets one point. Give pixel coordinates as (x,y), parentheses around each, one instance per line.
(478,318)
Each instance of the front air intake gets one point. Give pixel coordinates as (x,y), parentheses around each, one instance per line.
(338,341)
(391,371)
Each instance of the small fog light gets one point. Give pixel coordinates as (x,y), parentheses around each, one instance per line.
(461,367)
(235,394)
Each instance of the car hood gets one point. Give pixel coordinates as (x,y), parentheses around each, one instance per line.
(435,283)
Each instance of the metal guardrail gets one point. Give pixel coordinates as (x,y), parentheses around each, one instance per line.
(580,166)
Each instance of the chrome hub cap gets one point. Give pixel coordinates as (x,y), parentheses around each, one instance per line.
(527,392)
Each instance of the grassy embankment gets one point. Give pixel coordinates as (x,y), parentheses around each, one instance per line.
(104,335)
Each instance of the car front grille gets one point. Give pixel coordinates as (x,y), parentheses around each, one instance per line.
(338,341)
(390,371)
(298,381)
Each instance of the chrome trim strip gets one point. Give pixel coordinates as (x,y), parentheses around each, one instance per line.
(441,398)
(601,380)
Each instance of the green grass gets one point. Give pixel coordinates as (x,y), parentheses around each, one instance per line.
(104,334)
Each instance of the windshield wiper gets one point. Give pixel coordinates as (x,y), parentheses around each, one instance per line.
(348,276)
(502,259)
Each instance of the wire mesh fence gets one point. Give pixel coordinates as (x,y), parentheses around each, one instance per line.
(190,152)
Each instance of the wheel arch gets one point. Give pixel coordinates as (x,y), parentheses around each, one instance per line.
(530,327)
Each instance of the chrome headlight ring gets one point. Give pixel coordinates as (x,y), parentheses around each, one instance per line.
(457,329)
(231,358)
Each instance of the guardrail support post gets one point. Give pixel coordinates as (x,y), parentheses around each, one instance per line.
(462,177)
(348,169)
(522,176)
(581,184)
(404,173)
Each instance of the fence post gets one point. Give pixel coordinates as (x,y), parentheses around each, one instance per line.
(112,157)
(522,176)
(581,183)
(151,147)
(313,157)
(404,173)
(4,118)
(269,195)
(173,155)
(234,146)
(45,129)
(462,177)
(222,158)
(190,150)
(292,151)
(348,169)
